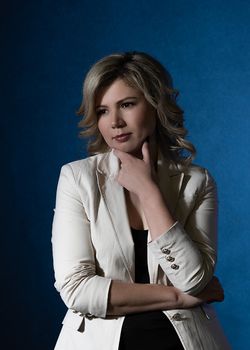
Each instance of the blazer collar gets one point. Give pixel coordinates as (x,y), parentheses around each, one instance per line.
(108,165)
(170,179)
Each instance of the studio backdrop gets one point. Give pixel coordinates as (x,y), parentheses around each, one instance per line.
(46,49)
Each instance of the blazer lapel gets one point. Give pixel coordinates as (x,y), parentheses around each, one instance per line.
(170,179)
(114,199)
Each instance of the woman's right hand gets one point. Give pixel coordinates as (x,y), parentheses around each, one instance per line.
(211,293)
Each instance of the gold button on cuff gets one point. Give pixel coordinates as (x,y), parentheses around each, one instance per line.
(174,266)
(170,258)
(89,316)
(176,317)
(165,251)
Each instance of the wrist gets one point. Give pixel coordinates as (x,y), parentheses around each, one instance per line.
(187,301)
(150,192)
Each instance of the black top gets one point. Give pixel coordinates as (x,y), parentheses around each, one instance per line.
(149,329)
(141,263)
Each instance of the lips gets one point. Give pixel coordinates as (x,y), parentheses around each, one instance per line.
(122,137)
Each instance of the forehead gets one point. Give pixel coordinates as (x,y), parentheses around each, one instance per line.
(117,90)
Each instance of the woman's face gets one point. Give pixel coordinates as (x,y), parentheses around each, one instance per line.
(125,118)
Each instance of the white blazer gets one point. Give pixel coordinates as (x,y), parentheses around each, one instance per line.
(92,245)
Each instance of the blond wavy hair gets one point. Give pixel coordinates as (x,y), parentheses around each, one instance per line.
(143,72)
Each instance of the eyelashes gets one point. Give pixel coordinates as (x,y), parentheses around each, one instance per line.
(123,105)
(127,104)
(100,112)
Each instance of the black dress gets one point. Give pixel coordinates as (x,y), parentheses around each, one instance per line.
(151,329)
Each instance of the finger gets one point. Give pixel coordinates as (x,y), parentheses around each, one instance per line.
(145,152)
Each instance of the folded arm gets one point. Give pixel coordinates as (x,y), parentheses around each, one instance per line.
(125,298)
(81,288)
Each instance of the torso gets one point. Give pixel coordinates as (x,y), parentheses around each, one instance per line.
(148,329)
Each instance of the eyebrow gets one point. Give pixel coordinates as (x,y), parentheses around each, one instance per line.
(120,101)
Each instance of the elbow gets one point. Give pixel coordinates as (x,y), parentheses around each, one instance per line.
(72,289)
(195,282)
(88,295)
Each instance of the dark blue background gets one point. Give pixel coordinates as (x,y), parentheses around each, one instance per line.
(46,48)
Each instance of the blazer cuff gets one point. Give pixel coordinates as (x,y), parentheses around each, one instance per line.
(165,241)
(178,257)
(90,299)
(98,296)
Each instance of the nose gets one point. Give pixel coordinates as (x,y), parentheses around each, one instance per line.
(117,120)
(116,124)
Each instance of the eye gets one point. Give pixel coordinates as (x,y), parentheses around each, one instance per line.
(101,111)
(127,104)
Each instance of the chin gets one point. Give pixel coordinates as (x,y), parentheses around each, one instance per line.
(132,146)
(125,147)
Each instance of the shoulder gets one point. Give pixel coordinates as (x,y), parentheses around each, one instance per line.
(198,177)
(86,166)
(196,171)
(78,178)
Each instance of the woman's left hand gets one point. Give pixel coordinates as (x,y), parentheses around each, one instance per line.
(136,175)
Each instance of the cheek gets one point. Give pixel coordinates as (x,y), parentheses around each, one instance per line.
(103,130)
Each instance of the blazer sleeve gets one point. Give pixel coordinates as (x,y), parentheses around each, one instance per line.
(73,256)
(187,253)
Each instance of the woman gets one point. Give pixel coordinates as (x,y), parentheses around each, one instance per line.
(134,231)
